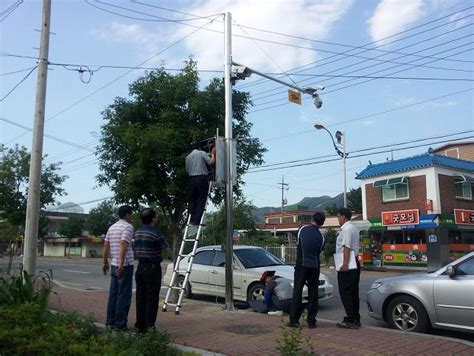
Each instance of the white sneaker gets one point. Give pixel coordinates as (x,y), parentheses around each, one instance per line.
(276,312)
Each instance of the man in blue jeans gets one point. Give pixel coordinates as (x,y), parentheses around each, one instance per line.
(118,242)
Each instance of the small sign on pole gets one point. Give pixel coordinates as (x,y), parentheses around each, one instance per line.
(294,96)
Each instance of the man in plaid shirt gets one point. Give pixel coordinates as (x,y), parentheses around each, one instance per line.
(118,242)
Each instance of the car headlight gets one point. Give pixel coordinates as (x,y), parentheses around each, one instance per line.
(376,285)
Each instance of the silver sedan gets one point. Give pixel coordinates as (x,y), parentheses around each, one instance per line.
(440,299)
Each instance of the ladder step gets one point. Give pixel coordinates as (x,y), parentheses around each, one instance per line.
(172,304)
(190,240)
(175,287)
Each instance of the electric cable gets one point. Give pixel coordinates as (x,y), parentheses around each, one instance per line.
(9,10)
(17,71)
(18,84)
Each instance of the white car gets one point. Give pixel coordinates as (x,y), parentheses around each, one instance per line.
(208,273)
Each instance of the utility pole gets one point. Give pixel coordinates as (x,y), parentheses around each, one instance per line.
(229,203)
(34,187)
(283,187)
(344,156)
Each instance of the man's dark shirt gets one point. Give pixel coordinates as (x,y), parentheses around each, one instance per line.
(149,242)
(310,245)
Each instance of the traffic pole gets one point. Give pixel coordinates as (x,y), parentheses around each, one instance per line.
(229,204)
(34,186)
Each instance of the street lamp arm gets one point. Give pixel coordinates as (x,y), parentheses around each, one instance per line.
(245,71)
(339,152)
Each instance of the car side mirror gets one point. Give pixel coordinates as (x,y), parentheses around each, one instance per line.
(451,271)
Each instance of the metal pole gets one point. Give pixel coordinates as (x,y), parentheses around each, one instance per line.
(33,204)
(229,252)
(282,189)
(344,165)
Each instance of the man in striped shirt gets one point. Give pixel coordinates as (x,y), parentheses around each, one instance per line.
(118,242)
(196,167)
(149,242)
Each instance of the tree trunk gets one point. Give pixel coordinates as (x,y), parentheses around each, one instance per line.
(10,257)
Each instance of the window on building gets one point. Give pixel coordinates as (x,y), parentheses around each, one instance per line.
(274,221)
(287,219)
(396,191)
(463,190)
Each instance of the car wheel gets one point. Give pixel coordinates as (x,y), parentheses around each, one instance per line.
(187,290)
(407,314)
(256,292)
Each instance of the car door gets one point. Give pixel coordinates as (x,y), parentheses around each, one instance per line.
(200,271)
(454,296)
(217,275)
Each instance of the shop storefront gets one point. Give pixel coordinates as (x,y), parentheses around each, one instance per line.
(426,241)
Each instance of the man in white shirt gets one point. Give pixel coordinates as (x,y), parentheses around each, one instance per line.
(348,279)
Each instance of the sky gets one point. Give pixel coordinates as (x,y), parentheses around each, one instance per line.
(396,74)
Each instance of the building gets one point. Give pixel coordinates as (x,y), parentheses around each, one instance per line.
(421,209)
(461,150)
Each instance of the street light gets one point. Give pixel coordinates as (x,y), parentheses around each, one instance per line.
(341,138)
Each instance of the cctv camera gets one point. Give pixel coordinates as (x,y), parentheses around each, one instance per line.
(317,101)
(242,72)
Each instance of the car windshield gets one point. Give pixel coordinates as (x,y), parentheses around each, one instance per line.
(257,257)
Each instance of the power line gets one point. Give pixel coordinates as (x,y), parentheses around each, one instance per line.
(17,71)
(384,43)
(5,54)
(370,148)
(18,84)
(9,10)
(120,76)
(374,114)
(353,70)
(357,156)
(58,139)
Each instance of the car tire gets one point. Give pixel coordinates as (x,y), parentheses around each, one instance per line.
(187,290)
(408,314)
(256,292)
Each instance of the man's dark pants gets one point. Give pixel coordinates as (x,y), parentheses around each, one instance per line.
(120,297)
(148,281)
(198,189)
(310,276)
(349,291)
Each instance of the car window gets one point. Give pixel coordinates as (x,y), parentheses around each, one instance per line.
(257,257)
(466,268)
(219,259)
(203,258)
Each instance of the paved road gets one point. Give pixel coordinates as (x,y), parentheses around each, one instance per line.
(86,275)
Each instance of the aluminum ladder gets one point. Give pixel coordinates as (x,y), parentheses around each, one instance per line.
(174,284)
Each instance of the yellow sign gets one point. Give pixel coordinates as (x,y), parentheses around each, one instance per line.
(294,96)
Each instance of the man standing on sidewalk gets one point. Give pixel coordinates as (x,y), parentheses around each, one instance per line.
(310,245)
(197,163)
(348,279)
(149,242)
(118,242)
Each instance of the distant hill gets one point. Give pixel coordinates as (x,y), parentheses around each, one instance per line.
(312,203)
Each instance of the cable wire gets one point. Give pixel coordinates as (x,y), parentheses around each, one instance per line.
(17,71)
(18,84)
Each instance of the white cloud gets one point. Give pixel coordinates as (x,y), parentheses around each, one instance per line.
(393,16)
(314,20)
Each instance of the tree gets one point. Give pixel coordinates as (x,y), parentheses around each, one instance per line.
(330,246)
(354,200)
(147,136)
(14,176)
(332,210)
(101,217)
(72,227)
(244,219)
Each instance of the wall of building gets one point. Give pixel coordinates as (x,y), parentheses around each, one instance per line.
(417,198)
(53,249)
(449,202)
(465,152)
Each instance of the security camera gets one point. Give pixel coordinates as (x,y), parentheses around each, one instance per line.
(242,72)
(317,100)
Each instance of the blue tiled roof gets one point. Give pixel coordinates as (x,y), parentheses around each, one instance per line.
(416,162)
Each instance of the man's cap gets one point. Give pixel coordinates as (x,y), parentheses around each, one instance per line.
(265,275)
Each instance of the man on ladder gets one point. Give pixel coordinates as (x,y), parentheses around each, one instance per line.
(197,163)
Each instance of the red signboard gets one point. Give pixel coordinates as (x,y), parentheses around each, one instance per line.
(401,217)
(464,216)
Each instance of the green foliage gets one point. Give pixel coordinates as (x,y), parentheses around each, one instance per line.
(330,247)
(354,200)
(290,343)
(332,210)
(101,217)
(73,227)
(14,175)
(26,329)
(146,137)
(21,289)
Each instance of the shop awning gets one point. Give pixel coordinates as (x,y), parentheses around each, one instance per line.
(390,181)
(463,178)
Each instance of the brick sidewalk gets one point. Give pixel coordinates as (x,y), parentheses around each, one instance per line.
(206,326)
